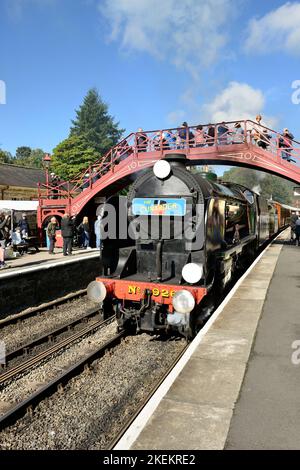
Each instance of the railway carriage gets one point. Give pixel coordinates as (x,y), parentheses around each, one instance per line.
(185,238)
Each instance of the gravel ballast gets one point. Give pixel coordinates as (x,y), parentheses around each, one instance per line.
(17,389)
(28,329)
(95,404)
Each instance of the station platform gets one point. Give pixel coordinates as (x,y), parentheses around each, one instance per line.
(43,256)
(236,387)
(38,278)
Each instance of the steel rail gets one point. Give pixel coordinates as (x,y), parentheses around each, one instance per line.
(57,383)
(24,349)
(128,423)
(41,308)
(33,361)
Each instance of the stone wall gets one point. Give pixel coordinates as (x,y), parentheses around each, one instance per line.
(37,285)
(15,193)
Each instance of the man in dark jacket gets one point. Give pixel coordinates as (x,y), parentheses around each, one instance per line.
(211,135)
(24,226)
(51,232)
(3,226)
(293,219)
(286,143)
(67,231)
(141,140)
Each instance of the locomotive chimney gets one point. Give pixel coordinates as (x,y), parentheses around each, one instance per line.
(176,159)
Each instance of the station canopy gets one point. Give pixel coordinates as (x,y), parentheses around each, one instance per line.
(22,206)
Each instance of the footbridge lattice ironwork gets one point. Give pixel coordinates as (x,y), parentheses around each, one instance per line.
(240,143)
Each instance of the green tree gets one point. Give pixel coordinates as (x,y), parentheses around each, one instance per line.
(36,158)
(5,157)
(22,155)
(267,185)
(277,188)
(71,156)
(25,156)
(95,124)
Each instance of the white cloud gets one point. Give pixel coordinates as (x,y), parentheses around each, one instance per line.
(188,33)
(175,117)
(237,101)
(277,30)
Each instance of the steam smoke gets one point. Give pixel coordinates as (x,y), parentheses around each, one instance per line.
(260,175)
(257,189)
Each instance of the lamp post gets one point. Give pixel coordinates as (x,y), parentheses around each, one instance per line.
(47,161)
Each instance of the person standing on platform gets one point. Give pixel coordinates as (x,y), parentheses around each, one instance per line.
(51,231)
(3,221)
(97,229)
(84,229)
(297,230)
(5,225)
(67,231)
(2,263)
(294,217)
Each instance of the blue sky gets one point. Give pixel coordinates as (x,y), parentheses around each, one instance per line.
(155,62)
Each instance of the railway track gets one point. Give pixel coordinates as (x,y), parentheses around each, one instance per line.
(57,385)
(16,318)
(58,382)
(49,337)
(152,390)
(43,355)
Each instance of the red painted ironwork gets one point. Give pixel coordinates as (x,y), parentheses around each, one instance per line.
(161,293)
(239,146)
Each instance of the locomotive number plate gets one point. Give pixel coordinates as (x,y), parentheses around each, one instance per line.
(156,292)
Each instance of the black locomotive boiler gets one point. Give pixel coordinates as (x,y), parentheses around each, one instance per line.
(185,238)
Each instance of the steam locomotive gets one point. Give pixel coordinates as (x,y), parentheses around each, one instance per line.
(178,240)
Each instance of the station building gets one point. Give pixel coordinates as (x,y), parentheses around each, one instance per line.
(19,183)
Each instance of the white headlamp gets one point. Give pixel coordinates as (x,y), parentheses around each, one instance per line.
(192,272)
(162,169)
(96,291)
(183,301)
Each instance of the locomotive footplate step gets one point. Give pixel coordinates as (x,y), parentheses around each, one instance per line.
(266,415)
(238,389)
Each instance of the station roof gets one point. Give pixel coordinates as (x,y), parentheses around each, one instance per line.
(19,205)
(20,176)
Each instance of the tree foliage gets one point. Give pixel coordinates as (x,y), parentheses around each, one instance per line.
(22,154)
(95,124)
(92,134)
(71,156)
(25,156)
(35,158)
(32,158)
(265,184)
(5,157)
